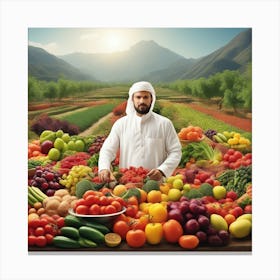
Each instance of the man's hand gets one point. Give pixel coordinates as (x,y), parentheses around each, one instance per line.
(104,175)
(155,174)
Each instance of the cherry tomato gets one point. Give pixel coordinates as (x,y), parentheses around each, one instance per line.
(117,205)
(32,240)
(49,229)
(41,241)
(49,238)
(60,222)
(110,209)
(131,210)
(103,200)
(34,223)
(39,231)
(90,199)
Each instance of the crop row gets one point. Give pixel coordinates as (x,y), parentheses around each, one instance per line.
(84,119)
(183,116)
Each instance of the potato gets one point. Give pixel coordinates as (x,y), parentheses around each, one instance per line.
(52,204)
(61,192)
(62,209)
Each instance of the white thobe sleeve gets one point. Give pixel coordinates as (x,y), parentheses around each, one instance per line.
(174,151)
(109,149)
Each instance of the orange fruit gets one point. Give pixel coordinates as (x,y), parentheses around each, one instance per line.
(154,196)
(229,218)
(172,231)
(119,190)
(188,241)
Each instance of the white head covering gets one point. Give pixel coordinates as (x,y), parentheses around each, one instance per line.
(139,86)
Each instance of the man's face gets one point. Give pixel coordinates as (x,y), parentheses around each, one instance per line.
(142,101)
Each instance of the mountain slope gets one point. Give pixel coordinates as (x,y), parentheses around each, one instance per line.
(233,56)
(142,58)
(45,66)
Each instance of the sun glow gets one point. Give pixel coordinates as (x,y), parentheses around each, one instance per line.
(113,42)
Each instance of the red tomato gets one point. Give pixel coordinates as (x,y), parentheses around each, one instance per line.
(34,223)
(82,209)
(131,210)
(248,209)
(88,193)
(135,238)
(90,199)
(43,222)
(121,227)
(236,211)
(94,209)
(39,231)
(49,238)
(232,195)
(41,241)
(103,200)
(230,151)
(79,202)
(110,209)
(60,222)
(49,229)
(32,240)
(117,205)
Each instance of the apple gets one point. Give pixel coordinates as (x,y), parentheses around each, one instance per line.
(186,187)
(79,145)
(219,192)
(54,154)
(178,184)
(59,133)
(58,144)
(66,137)
(46,146)
(71,145)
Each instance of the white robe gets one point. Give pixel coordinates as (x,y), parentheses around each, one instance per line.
(149,141)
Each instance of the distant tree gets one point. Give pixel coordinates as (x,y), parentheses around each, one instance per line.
(51,91)
(246,93)
(62,88)
(232,84)
(34,91)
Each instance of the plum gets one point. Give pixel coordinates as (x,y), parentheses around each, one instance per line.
(191,226)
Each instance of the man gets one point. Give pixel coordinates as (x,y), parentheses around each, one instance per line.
(144,138)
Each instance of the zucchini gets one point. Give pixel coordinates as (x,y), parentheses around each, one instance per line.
(65,242)
(92,234)
(70,232)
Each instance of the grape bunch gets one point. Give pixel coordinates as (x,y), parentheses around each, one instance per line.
(96,145)
(210,133)
(46,180)
(194,218)
(76,174)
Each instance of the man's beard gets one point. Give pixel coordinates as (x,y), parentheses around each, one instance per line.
(142,109)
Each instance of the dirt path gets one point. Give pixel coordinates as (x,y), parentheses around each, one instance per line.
(242,123)
(90,129)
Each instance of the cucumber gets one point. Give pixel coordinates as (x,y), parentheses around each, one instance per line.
(87,243)
(73,221)
(77,222)
(65,242)
(70,232)
(92,234)
(97,226)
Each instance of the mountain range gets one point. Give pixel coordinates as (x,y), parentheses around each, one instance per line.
(146,60)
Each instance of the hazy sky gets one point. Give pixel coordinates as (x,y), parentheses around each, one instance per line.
(188,42)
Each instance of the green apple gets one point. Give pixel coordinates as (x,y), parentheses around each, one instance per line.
(54,154)
(66,137)
(186,187)
(178,184)
(219,192)
(58,144)
(71,145)
(59,133)
(79,145)
(174,194)
(65,147)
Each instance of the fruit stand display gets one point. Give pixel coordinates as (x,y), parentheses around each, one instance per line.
(206,205)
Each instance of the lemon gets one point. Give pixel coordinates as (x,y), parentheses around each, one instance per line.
(174,194)
(112,239)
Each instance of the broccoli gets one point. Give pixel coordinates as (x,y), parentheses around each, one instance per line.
(206,189)
(151,185)
(193,193)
